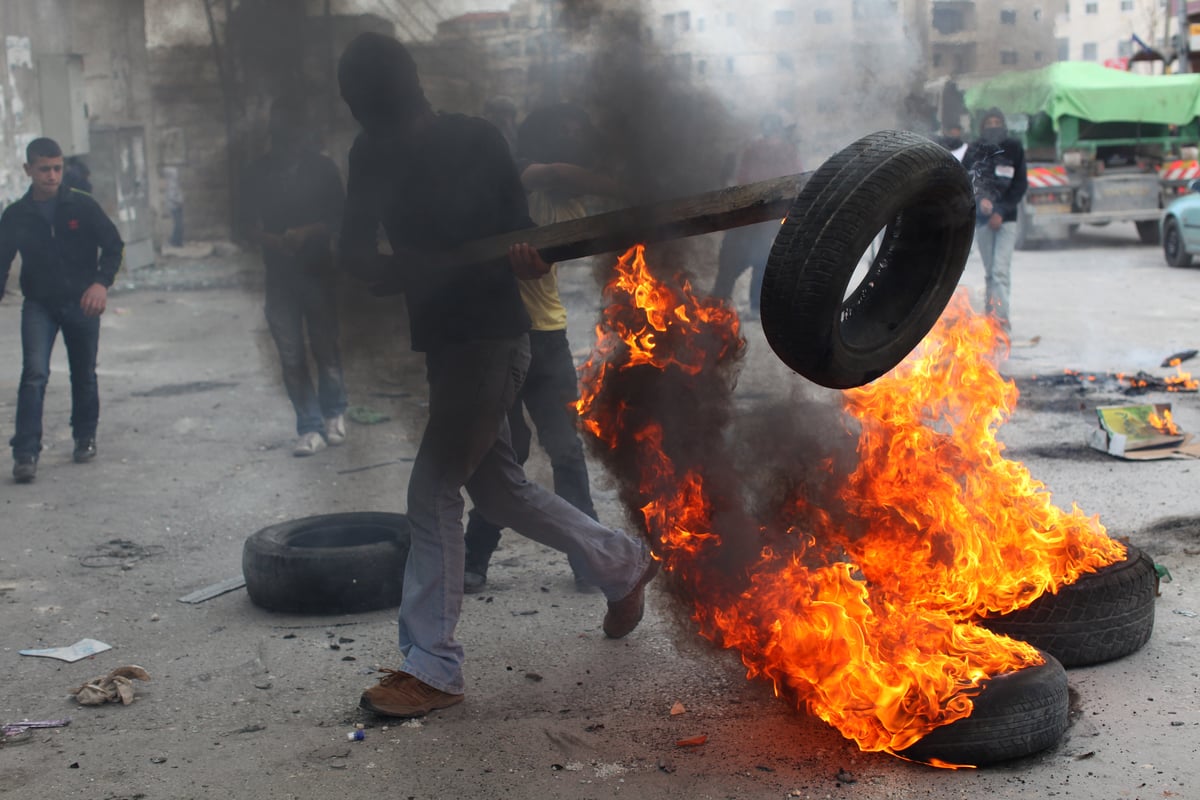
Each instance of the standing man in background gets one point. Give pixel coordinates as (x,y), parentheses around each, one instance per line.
(294,196)
(772,155)
(996,164)
(70,253)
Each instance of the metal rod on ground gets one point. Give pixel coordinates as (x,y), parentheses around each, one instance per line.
(718,210)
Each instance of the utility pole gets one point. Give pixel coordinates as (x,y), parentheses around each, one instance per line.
(1182,49)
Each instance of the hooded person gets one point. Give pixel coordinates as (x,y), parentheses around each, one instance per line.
(434,181)
(996,164)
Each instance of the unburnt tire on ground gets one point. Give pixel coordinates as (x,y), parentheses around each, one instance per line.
(328,564)
(841,336)
(1103,616)
(1017,714)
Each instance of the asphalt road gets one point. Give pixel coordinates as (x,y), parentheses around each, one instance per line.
(195,455)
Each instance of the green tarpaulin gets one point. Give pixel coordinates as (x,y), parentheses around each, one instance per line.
(1091,92)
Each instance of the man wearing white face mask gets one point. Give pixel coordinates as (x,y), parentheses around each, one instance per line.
(996,163)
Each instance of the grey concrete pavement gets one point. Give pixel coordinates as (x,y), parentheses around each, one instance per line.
(195,455)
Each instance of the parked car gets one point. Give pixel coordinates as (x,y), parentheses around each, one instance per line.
(1181,228)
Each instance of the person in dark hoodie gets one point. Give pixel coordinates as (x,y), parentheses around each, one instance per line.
(996,164)
(434,181)
(70,253)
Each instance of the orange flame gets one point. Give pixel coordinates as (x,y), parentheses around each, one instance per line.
(1181,381)
(859,606)
(1164,424)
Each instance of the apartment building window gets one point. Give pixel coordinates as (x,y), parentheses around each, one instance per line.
(1127,5)
(948,20)
(1124,48)
(730,19)
(823,16)
(784,16)
(825,58)
(1008,16)
(1090,51)
(702,66)
(729,65)
(1091,8)
(1008,57)
(700,24)
(785,62)
(874,9)
(684,20)
(1037,14)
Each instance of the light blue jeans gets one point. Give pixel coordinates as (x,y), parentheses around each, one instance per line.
(466,444)
(996,249)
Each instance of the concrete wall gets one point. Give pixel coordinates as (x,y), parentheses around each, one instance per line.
(108,34)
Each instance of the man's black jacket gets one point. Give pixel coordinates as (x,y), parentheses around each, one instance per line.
(60,261)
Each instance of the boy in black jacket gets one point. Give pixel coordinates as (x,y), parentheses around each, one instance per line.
(70,254)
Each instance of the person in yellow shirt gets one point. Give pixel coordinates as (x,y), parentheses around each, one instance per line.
(554,152)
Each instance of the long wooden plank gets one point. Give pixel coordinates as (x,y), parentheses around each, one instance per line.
(718,210)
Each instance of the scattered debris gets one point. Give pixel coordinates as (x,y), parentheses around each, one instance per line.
(76,652)
(119,553)
(215,590)
(116,685)
(356,735)
(176,389)
(249,729)
(14,732)
(694,741)
(666,766)
(1185,613)
(678,709)
(1141,433)
(1176,359)
(1086,756)
(533,676)
(352,470)
(158,760)
(365,416)
(845,777)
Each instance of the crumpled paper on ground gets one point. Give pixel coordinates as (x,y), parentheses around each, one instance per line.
(116,685)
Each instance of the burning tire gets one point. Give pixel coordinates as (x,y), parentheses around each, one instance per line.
(1017,714)
(1103,616)
(840,334)
(328,564)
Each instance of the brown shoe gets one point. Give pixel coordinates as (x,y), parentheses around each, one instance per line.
(399,694)
(625,614)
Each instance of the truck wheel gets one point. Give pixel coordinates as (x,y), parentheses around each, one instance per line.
(1173,250)
(839,335)
(1148,231)
(1103,616)
(328,564)
(1017,714)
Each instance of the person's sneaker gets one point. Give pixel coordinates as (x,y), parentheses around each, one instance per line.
(399,694)
(335,430)
(85,450)
(308,444)
(24,468)
(625,614)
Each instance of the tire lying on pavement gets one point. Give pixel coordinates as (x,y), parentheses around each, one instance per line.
(328,564)
(841,335)
(1015,715)
(1103,616)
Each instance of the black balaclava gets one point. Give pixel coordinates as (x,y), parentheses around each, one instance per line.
(993,135)
(378,80)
